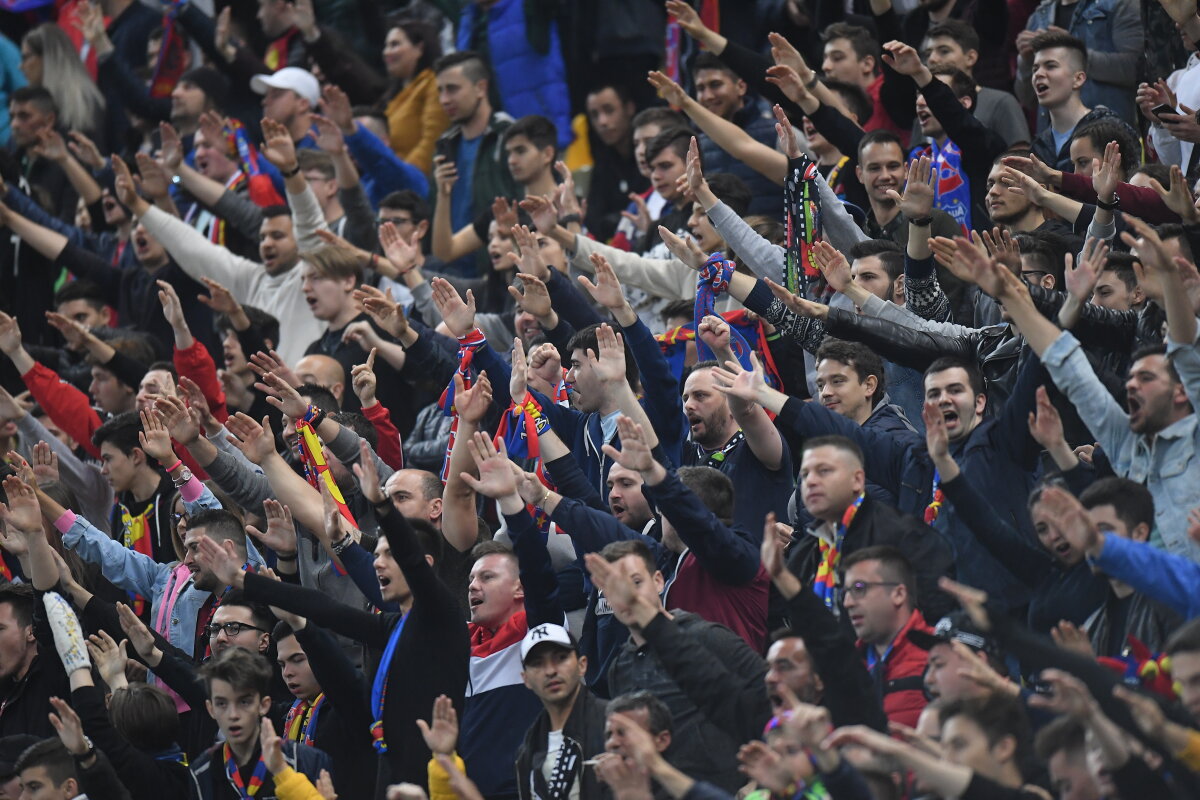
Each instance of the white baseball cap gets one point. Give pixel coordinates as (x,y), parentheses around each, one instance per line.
(546,634)
(300,81)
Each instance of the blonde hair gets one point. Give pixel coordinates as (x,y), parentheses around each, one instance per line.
(80,102)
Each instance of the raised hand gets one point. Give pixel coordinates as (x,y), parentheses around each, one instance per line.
(403,254)
(278,146)
(618,589)
(280,535)
(109,657)
(496,479)
(803,307)
(686,250)
(212,126)
(735,381)
(364,380)
(764,766)
(533,296)
(1081,278)
(155,439)
(45,463)
(565,198)
(219,299)
(221,560)
(459,316)
(937,440)
(1022,183)
(505,214)
(607,289)
(1179,197)
(790,83)
(10,335)
(22,511)
(126,189)
(635,450)
(667,89)
(139,636)
(714,332)
(272,747)
(833,266)
(774,559)
(641,217)
(532,261)
(1062,511)
(335,104)
(1069,636)
(541,210)
(1046,426)
(152,177)
(903,58)
(517,381)
(445,175)
(442,733)
(387,313)
(917,200)
(180,424)
(1106,172)
(687,18)
(786,133)
(256,441)
(1070,696)
(368,475)
(85,150)
(472,404)
(171,306)
(608,364)
(69,727)
(329,136)
(74,332)
(51,146)
(1033,167)
(282,395)
(784,53)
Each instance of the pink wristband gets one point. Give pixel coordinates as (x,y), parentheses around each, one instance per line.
(190,492)
(64,523)
(174,466)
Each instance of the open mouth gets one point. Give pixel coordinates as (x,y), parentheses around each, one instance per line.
(616,508)
(475,602)
(1040,88)
(312,301)
(924,117)
(950,417)
(1062,549)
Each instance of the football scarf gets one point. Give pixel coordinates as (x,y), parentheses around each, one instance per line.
(952,190)
(802,224)
(467,345)
(825,584)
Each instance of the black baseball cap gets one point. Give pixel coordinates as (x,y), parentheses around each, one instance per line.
(957,627)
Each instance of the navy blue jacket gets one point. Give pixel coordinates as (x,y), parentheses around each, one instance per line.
(998,457)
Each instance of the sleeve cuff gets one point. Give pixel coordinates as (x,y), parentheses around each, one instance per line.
(191,491)
(64,523)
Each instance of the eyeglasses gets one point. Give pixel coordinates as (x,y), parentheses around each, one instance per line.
(859,589)
(1030,276)
(231,628)
(397,221)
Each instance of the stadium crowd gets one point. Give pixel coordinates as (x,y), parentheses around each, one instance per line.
(790,399)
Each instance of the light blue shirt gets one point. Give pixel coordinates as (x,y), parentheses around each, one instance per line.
(1166,463)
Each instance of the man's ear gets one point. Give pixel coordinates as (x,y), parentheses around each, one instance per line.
(871,384)
(967,102)
(1140,533)
(971,57)
(138,456)
(980,404)
(422,228)
(870,61)
(208,705)
(1048,282)
(898,290)
(741,87)
(437,507)
(1078,80)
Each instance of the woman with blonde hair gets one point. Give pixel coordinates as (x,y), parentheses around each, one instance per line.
(48,59)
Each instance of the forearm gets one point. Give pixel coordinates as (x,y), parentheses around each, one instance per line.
(460,524)
(81,180)
(739,144)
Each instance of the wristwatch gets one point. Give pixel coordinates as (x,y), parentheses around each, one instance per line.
(91,751)
(922,222)
(339,547)
(1116,201)
(185,475)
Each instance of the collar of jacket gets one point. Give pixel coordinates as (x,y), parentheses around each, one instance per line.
(915,621)
(497,119)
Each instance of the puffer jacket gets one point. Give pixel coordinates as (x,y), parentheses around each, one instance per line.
(526,57)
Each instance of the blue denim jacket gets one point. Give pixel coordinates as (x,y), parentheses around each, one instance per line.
(1167,463)
(1096,23)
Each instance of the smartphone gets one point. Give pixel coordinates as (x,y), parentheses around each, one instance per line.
(1158,111)
(445,149)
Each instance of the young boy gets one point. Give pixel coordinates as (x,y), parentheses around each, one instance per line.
(237,682)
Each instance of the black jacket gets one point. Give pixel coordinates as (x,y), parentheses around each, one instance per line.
(711,681)
(25,701)
(880,524)
(583,733)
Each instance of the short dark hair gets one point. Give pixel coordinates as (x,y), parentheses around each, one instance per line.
(624,95)
(997,715)
(270,212)
(145,715)
(1047,252)
(676,139)
(407,200)
(122,431)
(860,38)
(974,376)
(1185,639)
(843,443)
(713,487)
(661,116)
(1049,39)
(474,66)
(1106,130)
(241,669)
(359,424)
(20,596)
(615,551)
(494,548)
(889,253)
(1174,230)
(1160,349)
(266,324)
(732,191)
(51,755)
(960,82)
(878,136)
(537,129)
(658,715)
(1062,733)
(894,564)
(320,397)
(39,96)
(219,525)
(81,290)
(1157,171)
(260,613)
(678,308)
(585,340)
(958,30)
(1131,500)
(281,631)
(1122,265)
(865,362)
(854,96)
(706,60)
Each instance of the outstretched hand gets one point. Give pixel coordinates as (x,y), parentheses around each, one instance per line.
(496,478)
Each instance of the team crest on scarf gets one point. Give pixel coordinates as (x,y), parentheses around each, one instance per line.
(953,190)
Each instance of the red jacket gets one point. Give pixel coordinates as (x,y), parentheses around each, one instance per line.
(1136,200)
(742,609)
(903,681)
